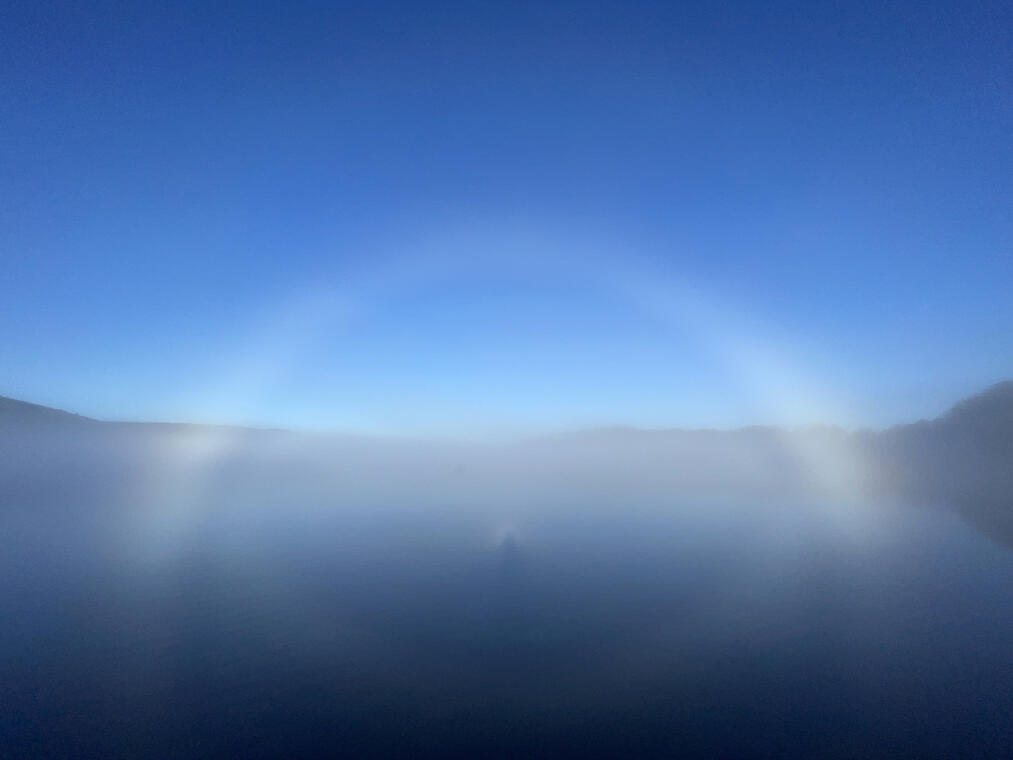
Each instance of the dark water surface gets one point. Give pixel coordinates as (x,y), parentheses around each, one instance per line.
(764,630)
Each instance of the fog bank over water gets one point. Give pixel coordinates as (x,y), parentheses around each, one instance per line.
(218,592)
(957,461)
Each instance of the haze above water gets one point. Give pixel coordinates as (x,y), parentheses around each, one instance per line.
(201,592)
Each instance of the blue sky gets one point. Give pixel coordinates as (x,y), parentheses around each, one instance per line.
(411,217)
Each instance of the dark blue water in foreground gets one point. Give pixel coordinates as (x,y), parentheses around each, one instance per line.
(731,632)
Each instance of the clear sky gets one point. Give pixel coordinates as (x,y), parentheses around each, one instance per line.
(434,216)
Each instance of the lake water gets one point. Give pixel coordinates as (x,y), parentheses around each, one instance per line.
(718,630)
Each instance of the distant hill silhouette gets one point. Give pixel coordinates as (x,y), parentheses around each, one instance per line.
(985,416)
(963,459)
(14,412)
